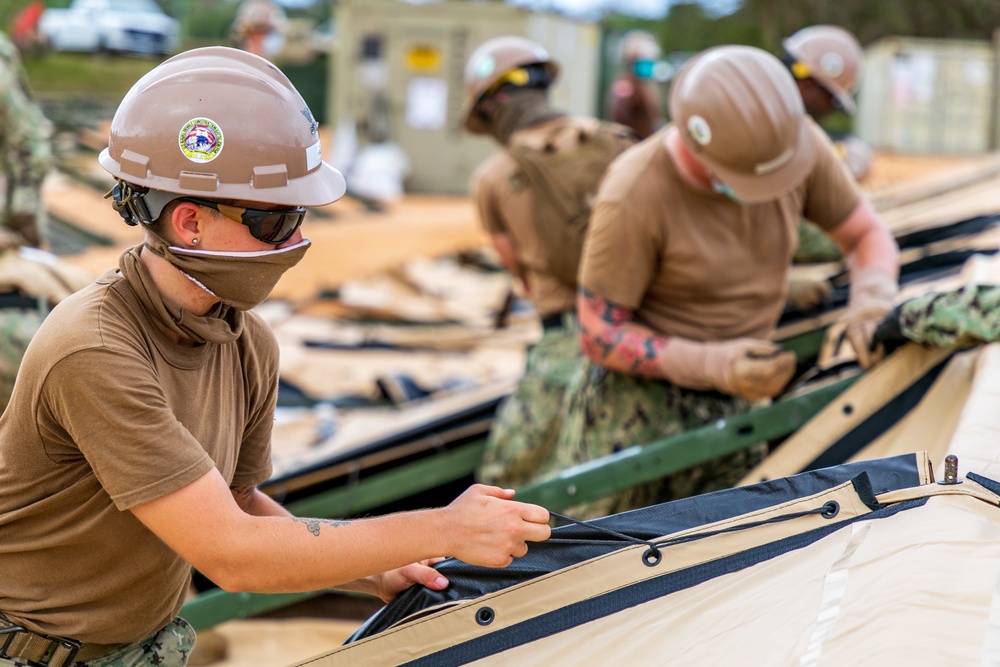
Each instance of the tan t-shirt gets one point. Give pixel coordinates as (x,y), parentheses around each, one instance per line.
(108,414)
(506,206)
(697,264)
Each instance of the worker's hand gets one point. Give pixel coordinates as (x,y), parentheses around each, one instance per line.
(747,367)
(873,292)
(806,293)
(486,527)
(390,584)
(750,368)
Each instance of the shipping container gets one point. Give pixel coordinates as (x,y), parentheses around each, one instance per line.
(928,96)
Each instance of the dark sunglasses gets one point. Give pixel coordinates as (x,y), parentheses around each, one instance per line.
(274,227)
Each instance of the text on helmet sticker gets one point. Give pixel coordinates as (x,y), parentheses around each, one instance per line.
(699,130)
(832,64)
(200,140)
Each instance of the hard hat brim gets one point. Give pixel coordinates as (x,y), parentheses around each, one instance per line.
(760,188)
(320,187)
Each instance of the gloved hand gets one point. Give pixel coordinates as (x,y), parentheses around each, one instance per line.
(746,367)
(873,292)
(806,293)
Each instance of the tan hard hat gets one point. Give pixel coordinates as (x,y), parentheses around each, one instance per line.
(489,63)
(833,58)
(221,123)
(739,111)
(639,45)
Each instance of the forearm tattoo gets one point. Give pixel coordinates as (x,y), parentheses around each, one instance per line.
(314,524)
(617,342)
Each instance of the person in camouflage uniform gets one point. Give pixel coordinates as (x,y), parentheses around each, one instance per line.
(684,272)
(507,80)
(25,151)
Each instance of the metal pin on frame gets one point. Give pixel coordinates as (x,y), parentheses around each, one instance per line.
(950,470)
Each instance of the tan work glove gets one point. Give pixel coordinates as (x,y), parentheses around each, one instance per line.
(806,293)
(873,292)
(746,367)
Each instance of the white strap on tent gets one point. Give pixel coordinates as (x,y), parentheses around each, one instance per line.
(834,586)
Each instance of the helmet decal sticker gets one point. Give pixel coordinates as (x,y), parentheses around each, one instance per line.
(200,140)
(699,130)
(832,63)
(485,67)
(309,117)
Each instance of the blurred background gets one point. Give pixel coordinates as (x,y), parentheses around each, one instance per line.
(377,71)
(399,331)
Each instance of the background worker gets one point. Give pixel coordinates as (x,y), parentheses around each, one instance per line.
(826,61)
(533,198)
(141,422)
(684,271)
(257,27)
(25,151)
(632,101)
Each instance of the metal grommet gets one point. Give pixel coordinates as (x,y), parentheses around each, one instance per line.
(652,557)
(485,616)
(830,509)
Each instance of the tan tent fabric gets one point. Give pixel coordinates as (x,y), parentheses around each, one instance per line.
(914,587)
(558,589)
(937,413)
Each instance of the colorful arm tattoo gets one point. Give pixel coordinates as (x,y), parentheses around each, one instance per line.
(617,342)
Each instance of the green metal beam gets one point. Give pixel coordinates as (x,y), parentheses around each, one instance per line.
(395,484)
(218,606)
(806,345)
(642,463)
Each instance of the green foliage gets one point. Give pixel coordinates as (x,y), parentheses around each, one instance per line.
(689,27)
(86,74)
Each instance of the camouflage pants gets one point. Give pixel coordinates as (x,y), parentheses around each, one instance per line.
(16,329)
(815,245)
(527,422)
(170,647)
(609,411)
(952,319)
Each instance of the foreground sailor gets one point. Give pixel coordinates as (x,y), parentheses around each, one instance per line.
(141,422)
(684,272)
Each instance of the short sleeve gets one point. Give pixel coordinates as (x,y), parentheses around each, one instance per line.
(832,193)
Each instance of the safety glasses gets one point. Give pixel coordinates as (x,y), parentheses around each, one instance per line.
(274,227)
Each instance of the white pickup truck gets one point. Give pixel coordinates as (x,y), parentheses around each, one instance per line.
(114,26)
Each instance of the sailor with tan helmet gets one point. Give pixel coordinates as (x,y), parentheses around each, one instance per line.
(534,198)
(141,421)
(826,62)
(683,275)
